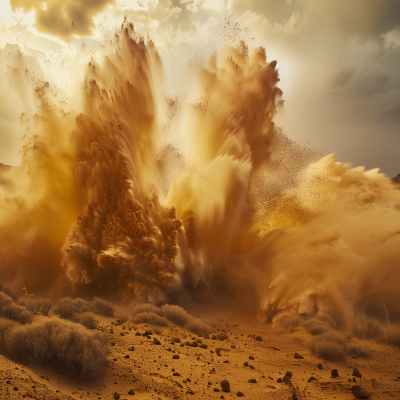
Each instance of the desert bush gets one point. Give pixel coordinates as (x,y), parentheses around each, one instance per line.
(330,346)
(175,314)
(33,306)
(66,307)
(62,344)
(151,318)
(327,319)
(369,329)
(45,307)
(288,321)
(146,307)
(6,326)
(391,335)
(87,320)
(355,349)
(8,292)
(316,327)
(102,307)
(10,310)
(198,327)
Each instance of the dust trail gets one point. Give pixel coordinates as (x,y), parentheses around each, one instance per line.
(127,194)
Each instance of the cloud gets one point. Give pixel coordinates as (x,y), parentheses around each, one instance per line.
(63,18)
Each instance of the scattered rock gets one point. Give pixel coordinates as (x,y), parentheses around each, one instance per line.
(313,378)
(176,374)
(251,358)
(127,356)
(334,373)
(356,373)
(246,364)
(239,394)
(252,381)
(297,355)
(289,374)
(175,357)
(319,366)
(131,348)
(116,396)
(259,338)
(216,390)
(226,387)
(359,392)
(279,380)
(131,392)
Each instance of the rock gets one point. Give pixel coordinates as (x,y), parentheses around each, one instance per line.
(286,379)
(216,390)
(359,392)
(138,334)
(251,358)
(319,366)
(15,388)
(176,340)
(147,333)
(156,342)
(289,374)
(226,362)
(356,373)
(246,364)
(252,381)
(189,392)
(334,373)
(259,338)
(127,356)
(296,355)
(279,380)
(203,346)
(176,374)
(131,348)
(116,396)
(313,378)
(354,380)
(239,394)
(226,387)
(131,392)
(212,371)
(175,357)
(213,337)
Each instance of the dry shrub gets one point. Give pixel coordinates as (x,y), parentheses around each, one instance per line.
(330,346)
(34,306)
(87,320)
(6,326)
(175,314)
(10,310)
(327,319)
(8,292)
(198,327)
(62,344)
(67,307)
(316,327)
(355,349)
(288,321)
(391,335)
(146,307)
(102,307)
(151,318)
(369,329)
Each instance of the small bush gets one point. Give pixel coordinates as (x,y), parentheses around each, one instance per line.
(327,320)
(329,346)
(316,327)
(392,335)
(102,307)
(369,329)
(62,344)
(67,307)
(87,320)
(146,307)
(45,307)
(354,349)
(6,326)
(151,318)
(288,321)
(198,327)
(10,310)
(175,314)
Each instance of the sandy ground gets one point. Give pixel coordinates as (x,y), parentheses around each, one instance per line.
(151,371)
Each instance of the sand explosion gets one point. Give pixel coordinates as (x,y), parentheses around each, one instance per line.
(107,200)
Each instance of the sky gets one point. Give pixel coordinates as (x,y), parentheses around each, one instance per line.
(339,62)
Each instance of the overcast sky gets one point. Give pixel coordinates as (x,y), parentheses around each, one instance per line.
(338,60)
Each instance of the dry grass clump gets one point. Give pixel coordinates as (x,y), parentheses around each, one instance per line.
(151,318)
(288,321)
(102,307)
(6,325)
(175,314)
(198,327)
(355,349)
(8,292)
(67,307)
(316,326)
(10,310)
(329,346)
(392,335)
(62,344)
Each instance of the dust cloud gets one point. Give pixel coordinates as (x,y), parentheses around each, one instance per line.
(126,193)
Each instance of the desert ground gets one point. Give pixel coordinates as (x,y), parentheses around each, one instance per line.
(258,361)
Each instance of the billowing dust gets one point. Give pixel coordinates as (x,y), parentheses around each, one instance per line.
(124,192)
